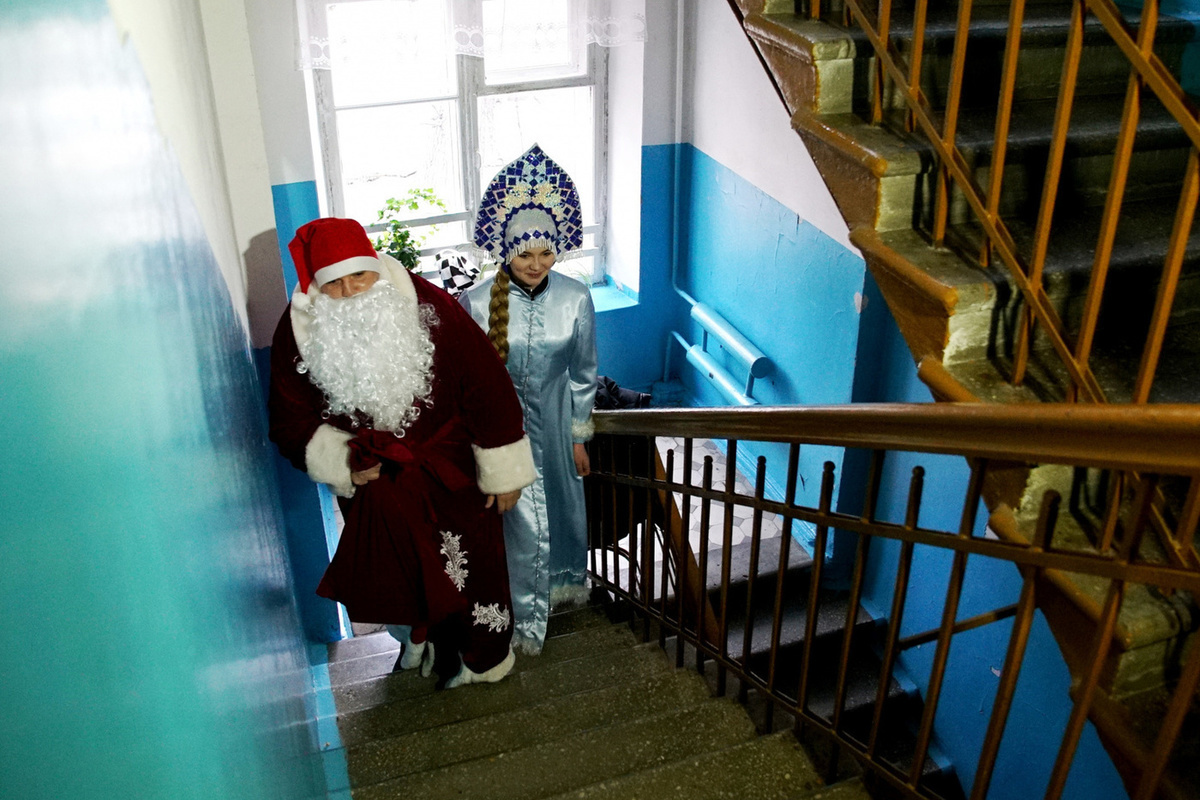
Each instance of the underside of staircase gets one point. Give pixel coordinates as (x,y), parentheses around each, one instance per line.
(597,715)
(960,310)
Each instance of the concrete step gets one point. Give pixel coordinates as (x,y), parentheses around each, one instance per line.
(369,680)
(542,722)
(575,761)
(768,768)
(414,710)
(824,67)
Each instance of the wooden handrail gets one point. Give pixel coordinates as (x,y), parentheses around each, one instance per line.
(1144,438)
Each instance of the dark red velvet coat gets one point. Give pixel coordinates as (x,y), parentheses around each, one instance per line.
(392,563)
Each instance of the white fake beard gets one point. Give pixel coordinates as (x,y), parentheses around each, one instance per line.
(372,353)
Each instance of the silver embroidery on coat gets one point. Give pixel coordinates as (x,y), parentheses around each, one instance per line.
(492,616)
(456,559)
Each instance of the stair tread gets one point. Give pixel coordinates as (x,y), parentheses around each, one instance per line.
(387,714)
(1095,126)
(773,766)
(573,761)
(1045,26)
(557,648)
(553,718)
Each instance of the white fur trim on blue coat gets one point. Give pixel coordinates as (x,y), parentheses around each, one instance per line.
(506,468)
(327,459)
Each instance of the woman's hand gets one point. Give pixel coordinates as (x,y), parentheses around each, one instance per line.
(363,477)
(504,502)
(583,465)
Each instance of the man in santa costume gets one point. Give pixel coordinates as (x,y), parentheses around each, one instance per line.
(385,389)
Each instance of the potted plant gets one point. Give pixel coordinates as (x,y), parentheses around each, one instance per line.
(396,239)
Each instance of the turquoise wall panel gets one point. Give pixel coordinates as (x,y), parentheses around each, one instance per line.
(151,645)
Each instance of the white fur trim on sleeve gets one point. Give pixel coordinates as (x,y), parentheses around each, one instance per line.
(505,468)
(327,457)
(583,431)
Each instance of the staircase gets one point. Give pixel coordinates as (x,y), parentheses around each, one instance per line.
(961,308)
(596,715)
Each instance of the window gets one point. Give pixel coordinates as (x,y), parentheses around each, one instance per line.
(399,109)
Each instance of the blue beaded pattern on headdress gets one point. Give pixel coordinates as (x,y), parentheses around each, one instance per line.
(533,181)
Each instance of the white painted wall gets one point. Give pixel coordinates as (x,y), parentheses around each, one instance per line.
(168,36)
(281,90)
(625,89)
(659,85)
(734,116)
(239,120)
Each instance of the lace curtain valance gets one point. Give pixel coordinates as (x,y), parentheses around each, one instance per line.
(473,24)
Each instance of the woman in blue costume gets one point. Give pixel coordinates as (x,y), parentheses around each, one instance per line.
(542,324)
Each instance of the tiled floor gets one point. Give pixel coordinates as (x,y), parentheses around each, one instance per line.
(743,519)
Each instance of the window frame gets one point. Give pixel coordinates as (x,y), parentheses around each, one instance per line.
(472,86)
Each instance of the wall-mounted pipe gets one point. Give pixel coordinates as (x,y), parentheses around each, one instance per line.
(714,372)
(757,364)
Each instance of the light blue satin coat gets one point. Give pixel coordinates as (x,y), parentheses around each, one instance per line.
(552,361)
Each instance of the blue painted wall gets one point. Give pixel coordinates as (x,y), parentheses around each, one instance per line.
(1041,705)
(308,508)
(151,645)
(786,286)
(790,290)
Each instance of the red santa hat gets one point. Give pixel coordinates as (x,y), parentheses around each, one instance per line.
(330,248)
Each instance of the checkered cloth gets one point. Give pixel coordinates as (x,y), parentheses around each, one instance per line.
(458,273)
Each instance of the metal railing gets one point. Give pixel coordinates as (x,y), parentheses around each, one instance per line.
(898,74)
(640,513)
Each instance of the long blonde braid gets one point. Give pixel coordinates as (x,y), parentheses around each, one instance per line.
(498,315)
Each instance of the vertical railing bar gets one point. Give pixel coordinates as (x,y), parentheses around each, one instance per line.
(1189,518)
(648,537)
(1008,86)
(950,119)
(608,509)
(726,554)
(685,514)
(1015,657)
(914,65)
(670,555)
(1172,268)
(847,637)
(760,485)
(966,525)
(590,507)
(874,484)
(785,547)
(1062,122)
(1101,642)
(810,629)
(632,568)
(1112,514)
(701,632)
(885,32)
(1168,732)
(899,597)
(949,616)
(1116,190)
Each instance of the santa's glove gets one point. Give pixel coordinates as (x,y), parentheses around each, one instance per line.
(467,675)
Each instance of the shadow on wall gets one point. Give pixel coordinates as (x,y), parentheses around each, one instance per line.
(266,295)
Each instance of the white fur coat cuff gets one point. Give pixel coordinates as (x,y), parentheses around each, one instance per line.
(583,431)
(505,468)
(327,458)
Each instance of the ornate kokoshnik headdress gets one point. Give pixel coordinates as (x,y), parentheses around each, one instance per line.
(531,203)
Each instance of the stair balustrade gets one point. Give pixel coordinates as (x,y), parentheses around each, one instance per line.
(770,625)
